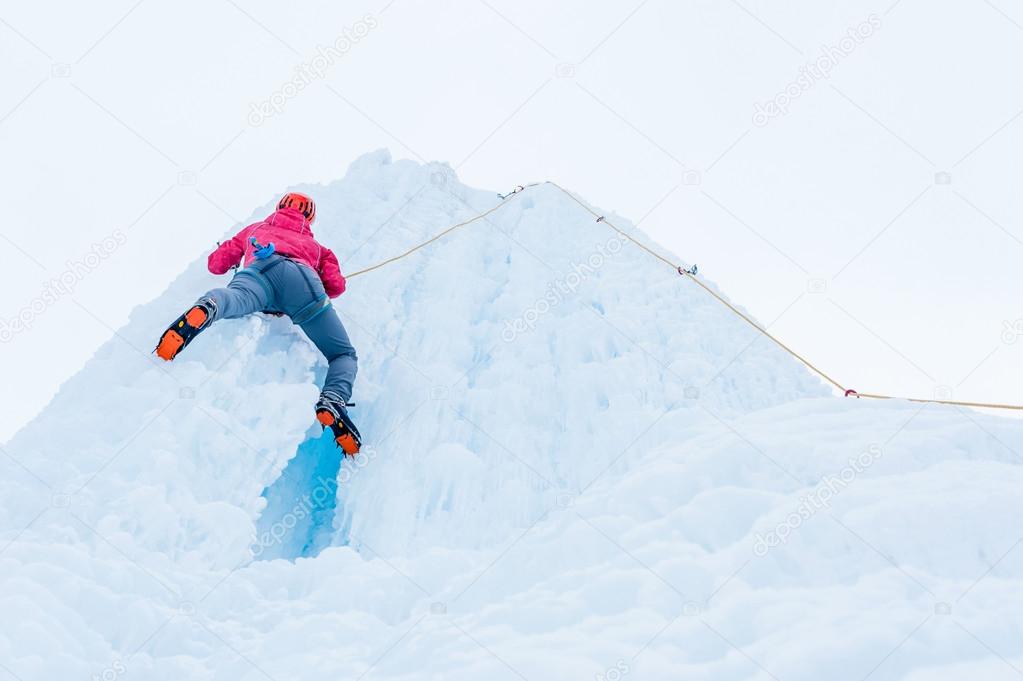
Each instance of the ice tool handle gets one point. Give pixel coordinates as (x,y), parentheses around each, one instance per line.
(261,252)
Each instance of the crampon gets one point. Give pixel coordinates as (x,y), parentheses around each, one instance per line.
(331,413)
(184,329)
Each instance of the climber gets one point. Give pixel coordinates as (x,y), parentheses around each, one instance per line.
(284,271)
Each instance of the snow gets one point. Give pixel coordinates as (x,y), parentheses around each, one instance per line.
(578,466)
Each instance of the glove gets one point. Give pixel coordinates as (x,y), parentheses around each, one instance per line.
(262,252)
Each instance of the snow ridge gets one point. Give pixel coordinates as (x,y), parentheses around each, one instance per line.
(576,465)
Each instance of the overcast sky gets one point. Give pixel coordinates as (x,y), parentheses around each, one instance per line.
(848,171)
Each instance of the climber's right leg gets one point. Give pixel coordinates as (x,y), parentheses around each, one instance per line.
(327,332)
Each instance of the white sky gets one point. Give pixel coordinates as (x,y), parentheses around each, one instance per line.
(135,116)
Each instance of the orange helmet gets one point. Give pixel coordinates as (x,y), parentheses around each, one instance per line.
(300,202)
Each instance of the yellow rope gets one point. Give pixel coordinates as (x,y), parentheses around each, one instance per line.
(507,199)
(956,403)
(692,277)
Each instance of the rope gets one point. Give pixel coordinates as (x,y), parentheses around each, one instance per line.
(691,275)
(955,403)
(684,272)
(504,201)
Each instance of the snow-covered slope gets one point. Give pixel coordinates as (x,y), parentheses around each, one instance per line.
(577,466)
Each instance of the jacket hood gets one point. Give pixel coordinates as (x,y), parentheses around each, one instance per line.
(290,219)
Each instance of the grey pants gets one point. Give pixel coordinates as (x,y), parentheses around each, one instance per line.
(278,284)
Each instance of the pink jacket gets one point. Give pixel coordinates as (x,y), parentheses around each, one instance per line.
(291,235)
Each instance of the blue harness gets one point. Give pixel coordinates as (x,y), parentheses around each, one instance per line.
(265,262)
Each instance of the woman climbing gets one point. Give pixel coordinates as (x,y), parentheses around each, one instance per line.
(284,271)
